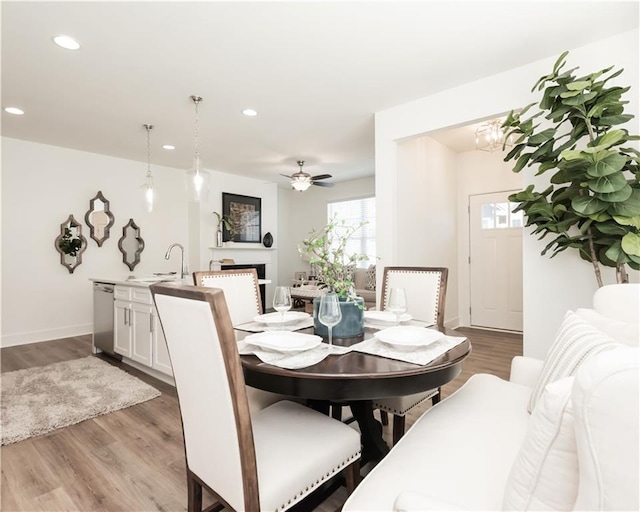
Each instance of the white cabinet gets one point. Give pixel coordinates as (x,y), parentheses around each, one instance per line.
(137,331)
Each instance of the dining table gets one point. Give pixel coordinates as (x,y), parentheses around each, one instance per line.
(356,379)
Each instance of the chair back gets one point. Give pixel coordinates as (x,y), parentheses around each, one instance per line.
(425,287)
(210,384)
(241,291)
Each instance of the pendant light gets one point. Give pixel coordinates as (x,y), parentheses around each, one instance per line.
(198,177)
(148,183)
(491,137)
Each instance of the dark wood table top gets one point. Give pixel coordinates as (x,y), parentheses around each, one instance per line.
(355,376)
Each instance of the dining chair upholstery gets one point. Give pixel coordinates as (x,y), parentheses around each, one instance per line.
(247,462)
(242,293)
(426,289)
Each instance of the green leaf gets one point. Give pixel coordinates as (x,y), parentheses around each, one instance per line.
(572,154)
(609,183)
(600,217)
(610,138)
(588,205)
(578,86)
(613,120)
(615,253)
(560,62)
(521,162)
(628,221)
(617,197)
(541,137)
(631,244)
(629,208)
(611,228)
(610,164)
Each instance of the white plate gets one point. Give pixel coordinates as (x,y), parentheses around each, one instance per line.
(290,317)
(402,336)
(284,341)
(385,317)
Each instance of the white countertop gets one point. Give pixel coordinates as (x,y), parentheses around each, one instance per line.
(146,281)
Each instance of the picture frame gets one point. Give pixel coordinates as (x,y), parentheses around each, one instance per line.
(300,276)
(245,216)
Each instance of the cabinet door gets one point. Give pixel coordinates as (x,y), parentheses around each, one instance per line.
(122,328)
(142,343)
(161,361)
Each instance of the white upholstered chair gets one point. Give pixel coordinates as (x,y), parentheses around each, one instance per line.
(267,461)
(426,289)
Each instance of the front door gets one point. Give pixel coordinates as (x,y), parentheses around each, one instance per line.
(495,245)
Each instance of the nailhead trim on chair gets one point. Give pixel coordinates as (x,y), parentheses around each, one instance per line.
(403,413)
(388,289)
(321,480)
(227,275)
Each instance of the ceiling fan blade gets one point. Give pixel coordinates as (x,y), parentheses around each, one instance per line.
(322,184)
(286,175)
(321,177)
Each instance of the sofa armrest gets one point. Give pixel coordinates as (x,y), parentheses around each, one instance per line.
(525,370)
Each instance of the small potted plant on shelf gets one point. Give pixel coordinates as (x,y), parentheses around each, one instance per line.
(326,250)
(222,220)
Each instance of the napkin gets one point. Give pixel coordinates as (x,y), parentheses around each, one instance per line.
(420,355)
(257,327)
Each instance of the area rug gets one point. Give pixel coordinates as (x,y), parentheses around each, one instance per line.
(38,400)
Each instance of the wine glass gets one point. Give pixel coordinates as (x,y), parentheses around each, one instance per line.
(282,301)
(397,303)
(329,313)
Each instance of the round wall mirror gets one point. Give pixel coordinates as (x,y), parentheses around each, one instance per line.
(70,244)
(99,218)
(131,244)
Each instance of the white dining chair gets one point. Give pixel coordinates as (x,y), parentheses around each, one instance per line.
(267,461)
(242,293)
(426,289)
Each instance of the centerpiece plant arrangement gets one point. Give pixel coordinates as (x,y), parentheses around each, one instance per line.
(593,202)
(326,249)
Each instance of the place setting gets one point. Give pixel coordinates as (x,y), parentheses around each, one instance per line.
(280,320)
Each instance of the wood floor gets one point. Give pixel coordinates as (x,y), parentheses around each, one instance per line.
(133,459)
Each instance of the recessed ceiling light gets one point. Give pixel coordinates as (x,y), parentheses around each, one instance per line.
(14,110)
(249,112)
(66,42)
(168,146)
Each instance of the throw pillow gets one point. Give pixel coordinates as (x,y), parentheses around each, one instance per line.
(625,332)
(545,473)
(371,278)
(349,271)
(575,342)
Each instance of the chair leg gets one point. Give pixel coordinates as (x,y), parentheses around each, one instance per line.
(398,428)
(352,476)
(194,493)
(436,398)
(336,411)
(384,417)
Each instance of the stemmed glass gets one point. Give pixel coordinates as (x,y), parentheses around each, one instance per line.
(397,303)
(282,301)
(329,313)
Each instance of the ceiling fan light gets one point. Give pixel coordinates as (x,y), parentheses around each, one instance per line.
(300,183)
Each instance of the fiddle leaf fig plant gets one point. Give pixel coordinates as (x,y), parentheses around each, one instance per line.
(327,250)
(593,202)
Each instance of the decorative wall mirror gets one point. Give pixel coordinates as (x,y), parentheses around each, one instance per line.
(131,244)
(70,244)
(99,218)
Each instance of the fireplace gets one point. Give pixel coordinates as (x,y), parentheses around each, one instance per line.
(260,269)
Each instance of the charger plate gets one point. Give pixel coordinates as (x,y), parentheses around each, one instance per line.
(406,337)
(290,317)
(284,341)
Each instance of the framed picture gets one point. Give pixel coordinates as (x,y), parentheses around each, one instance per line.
(244,214)
(300,276)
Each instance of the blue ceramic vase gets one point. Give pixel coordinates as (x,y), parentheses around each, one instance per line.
(352,323)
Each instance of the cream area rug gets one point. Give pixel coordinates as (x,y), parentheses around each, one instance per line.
(38,400)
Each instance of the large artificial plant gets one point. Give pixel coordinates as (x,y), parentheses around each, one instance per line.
(326,249)
(593,202)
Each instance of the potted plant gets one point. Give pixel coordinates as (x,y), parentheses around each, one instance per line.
(326,249)
(222,220)
(593,202)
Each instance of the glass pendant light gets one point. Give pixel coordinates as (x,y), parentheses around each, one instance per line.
(198,182)
(148,183)
(491,137)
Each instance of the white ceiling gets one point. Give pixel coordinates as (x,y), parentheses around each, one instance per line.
(315,71)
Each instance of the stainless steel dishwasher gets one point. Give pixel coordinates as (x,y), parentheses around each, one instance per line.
(103,316)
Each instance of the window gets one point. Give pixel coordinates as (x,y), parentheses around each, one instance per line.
(353,212)
(500,215)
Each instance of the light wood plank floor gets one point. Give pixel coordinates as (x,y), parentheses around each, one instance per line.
(133,459)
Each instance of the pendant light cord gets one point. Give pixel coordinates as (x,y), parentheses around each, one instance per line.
(197,100)
(149,127)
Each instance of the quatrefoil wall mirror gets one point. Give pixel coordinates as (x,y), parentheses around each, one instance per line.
(99,218)
(70,244)
(131,244)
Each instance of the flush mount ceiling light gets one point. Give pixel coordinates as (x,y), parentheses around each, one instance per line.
(168,146)
(301,180)
(490,137)
(249,112)
(148,183)
(199,178)
(14,110)
(66,42)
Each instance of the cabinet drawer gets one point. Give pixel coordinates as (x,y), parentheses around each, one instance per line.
(141,295)
(122,293)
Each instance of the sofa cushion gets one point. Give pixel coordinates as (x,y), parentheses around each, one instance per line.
(367,295)
(625,332)
(544,475)
(575,342)
(371,278)
(444,454)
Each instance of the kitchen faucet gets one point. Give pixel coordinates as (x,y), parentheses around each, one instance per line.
(183,266)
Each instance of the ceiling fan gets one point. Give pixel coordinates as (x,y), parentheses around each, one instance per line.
(301,180)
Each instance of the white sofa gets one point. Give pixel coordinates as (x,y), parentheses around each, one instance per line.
(480,449)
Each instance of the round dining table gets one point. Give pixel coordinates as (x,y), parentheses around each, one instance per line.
(356,379)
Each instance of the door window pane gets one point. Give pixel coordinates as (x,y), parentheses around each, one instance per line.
(487,216)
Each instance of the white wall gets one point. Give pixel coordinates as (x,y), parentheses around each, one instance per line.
(478,172)
(42,185)
(427,214)
(550,286)
(303,211)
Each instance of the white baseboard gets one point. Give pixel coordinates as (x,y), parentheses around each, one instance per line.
(24,338)
(452,323)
